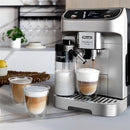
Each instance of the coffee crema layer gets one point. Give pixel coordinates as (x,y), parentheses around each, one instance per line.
(87,88)
(36,105)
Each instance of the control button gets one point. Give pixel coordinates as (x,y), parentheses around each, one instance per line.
(107,16)
(73,16)
(108,12)
(84,15)
(76,12)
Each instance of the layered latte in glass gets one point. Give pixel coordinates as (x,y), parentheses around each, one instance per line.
(17,84)
(36,99)
(87,79)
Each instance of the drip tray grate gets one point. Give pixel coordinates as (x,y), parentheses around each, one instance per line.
(98,105)
(95,99)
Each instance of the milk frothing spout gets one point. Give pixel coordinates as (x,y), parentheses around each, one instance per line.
(77,54)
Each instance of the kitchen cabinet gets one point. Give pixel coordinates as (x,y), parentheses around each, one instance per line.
(78,4)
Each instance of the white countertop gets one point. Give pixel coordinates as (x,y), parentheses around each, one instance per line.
(58,119)
(83,121)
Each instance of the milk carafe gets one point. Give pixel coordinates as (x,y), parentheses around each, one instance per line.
(64,73)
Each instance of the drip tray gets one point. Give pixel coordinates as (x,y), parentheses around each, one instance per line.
(98,105)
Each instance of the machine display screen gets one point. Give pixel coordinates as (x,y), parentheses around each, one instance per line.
(93,14)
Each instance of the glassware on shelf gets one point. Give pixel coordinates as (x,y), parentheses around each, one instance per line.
(54,25)
(54,2)
(37,26)
(46,31)
(46,28)
(29,2)
(22,26)
(44,2)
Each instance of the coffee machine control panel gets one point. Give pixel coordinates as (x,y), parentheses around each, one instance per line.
(93,14)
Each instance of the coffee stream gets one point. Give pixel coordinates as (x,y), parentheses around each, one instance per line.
(93,64)
(85,65)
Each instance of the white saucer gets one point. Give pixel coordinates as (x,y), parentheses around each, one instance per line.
(35,45)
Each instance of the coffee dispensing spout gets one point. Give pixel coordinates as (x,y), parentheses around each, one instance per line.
(93,54)
(77,54)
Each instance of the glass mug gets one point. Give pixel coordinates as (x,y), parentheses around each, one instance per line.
(36,99)
(87,79)
(17,84)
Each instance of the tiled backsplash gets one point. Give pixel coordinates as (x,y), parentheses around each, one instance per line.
(41,30)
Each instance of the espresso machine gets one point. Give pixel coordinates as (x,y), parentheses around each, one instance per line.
(102,36)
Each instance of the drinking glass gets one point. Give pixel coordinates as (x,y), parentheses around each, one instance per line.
(87,79)
(36,100)
(17,84)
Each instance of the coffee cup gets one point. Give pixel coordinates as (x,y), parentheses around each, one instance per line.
(87,79)
(17,84)
(36,100)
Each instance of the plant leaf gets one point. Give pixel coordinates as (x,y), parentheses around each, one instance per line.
(22,40)
(3,36)
(9,32)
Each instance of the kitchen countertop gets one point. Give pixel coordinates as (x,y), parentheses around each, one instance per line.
(82,121)
(59,119)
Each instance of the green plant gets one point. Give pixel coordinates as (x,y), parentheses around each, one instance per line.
(15,33)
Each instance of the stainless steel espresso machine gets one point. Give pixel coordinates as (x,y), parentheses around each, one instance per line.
(102,36)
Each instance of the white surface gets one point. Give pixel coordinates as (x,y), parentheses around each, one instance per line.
(83,121)
(4,54)
(34,61)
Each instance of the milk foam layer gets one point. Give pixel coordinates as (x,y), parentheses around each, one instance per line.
(87,74)
(18,80)
(36,91)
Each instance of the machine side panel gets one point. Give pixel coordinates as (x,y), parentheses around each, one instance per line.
(128,57)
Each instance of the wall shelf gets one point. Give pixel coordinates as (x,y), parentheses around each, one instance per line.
(45,6)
